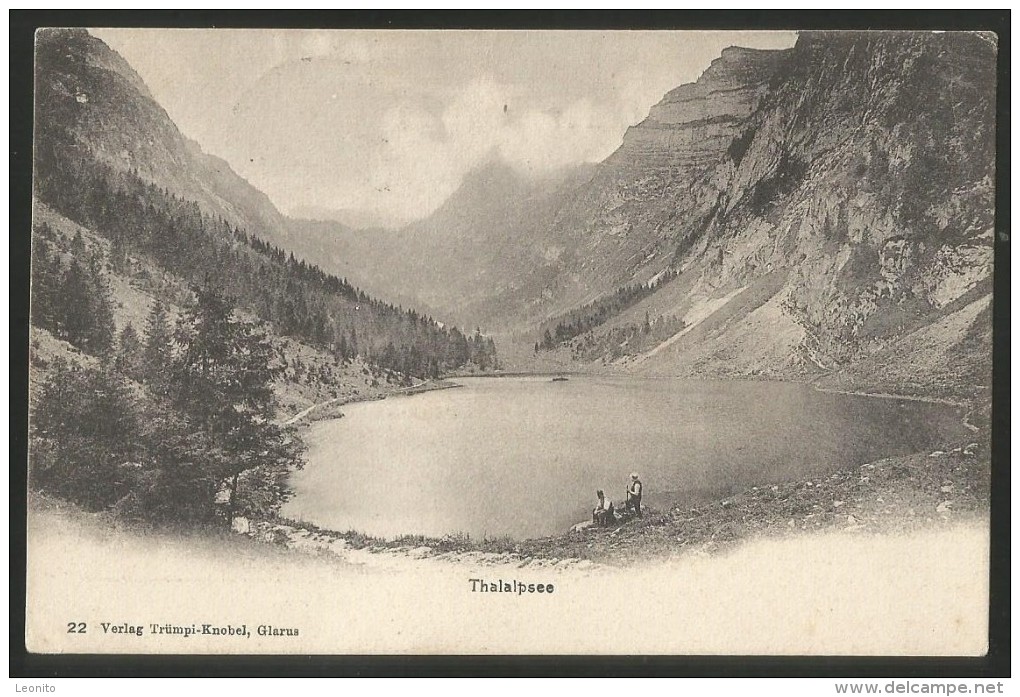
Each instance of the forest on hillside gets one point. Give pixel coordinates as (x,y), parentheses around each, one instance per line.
(561,330)
(177,422)
(297,298)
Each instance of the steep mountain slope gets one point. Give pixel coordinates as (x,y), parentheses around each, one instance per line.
(108,158)
(88,95)
(486,252)
(657,192)
(835,201)
(312,375)
(529,249)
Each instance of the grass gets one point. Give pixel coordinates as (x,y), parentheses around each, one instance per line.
(454,542)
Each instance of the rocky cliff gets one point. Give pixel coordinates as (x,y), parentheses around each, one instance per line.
(658,191)
(824,205)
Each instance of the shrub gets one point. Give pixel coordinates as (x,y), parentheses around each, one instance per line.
(86,426)
(738,148)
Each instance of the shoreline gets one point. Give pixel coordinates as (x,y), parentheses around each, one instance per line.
(968,407)
(893,395)
(702,529)
(968,404)
(890,495)
(811,381)
(427,386)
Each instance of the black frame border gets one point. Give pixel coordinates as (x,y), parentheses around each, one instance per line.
(23,664)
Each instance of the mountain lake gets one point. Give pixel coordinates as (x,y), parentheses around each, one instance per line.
(523,456)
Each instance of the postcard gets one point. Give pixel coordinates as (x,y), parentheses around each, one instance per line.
(439,342)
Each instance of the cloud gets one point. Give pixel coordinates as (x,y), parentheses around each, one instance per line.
(424,154)
(391,122)
(532,135)
(541,141)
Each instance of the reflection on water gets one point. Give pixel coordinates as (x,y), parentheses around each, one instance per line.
(524,456)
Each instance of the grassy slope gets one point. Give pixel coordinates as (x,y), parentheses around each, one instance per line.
(133,294)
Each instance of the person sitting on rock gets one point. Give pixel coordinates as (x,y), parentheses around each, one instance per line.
(603,513)
(634,494)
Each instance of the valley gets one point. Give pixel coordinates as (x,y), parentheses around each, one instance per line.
(776,204)
(819,216)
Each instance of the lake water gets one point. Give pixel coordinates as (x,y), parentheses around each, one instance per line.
(524,456)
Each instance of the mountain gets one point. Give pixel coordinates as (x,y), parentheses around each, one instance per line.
(629,223)
(90,99)
(826,210)
(347,217)
(110,164)
(93,103)
(821,212)
(479,259)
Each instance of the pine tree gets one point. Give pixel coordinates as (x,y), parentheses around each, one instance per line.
(224,378)
(78,245)
(202,372)
(103,331)
(185,467)
(157,354)
(46,279)
(73,299)
(130,359)
(86,426)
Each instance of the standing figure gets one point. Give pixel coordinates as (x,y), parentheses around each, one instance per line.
(634,494)
(603,512)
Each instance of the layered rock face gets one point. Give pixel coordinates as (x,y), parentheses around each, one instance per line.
(838,196)
(869,173)
(663,182)
(695,124)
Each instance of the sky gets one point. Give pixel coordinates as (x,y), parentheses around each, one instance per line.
(389,122)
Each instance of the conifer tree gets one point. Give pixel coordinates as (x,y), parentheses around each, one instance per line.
(103,331)
(73,299)
(46,279)
(86,427)
(157,353)
(223,381)
(130,354)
